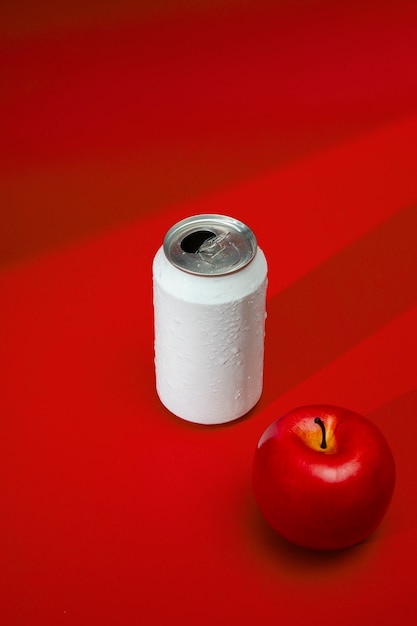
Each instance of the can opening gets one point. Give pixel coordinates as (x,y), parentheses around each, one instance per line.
(193,241)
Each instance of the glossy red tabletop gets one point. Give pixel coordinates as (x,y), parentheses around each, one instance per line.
(298,118)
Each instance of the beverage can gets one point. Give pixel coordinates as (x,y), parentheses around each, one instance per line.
(209,291)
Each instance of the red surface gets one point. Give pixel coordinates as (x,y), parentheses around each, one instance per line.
(301,120)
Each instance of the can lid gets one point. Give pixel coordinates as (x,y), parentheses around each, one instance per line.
(210,245)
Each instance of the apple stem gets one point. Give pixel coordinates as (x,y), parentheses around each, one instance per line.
(318,421)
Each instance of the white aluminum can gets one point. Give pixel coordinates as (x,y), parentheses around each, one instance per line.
(209,290)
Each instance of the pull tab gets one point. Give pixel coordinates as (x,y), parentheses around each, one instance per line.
(212,247)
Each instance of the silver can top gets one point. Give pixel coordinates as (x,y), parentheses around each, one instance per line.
(210,245)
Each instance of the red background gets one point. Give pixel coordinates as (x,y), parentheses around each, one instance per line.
(116,120)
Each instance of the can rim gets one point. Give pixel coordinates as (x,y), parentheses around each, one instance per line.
(234,243)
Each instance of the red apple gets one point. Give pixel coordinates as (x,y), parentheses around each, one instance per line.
(323,477)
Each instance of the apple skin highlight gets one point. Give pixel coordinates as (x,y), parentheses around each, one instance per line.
(323,499)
